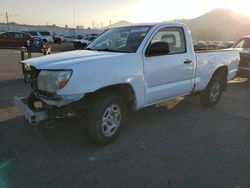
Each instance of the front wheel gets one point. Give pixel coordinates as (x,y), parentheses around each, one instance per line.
(106,116)
(212,94)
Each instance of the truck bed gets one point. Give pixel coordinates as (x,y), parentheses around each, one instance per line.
(209,60)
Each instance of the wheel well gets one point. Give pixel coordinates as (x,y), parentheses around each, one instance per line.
(222,72)
(124,90)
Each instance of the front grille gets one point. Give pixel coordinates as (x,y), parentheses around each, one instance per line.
(244,62)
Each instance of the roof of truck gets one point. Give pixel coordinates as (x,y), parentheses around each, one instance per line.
(155,23)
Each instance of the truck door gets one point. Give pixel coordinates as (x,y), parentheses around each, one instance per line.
(170,74)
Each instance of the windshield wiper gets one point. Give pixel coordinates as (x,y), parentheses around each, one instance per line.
(105,49)
(109,50)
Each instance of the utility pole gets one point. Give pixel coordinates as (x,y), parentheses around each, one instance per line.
(74,20)
(7,16)
(7,20)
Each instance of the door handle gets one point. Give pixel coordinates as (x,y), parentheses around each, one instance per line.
(188,61)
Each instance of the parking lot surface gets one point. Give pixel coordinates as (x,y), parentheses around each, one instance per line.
(174,144)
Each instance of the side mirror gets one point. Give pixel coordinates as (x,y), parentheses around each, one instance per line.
(158,48)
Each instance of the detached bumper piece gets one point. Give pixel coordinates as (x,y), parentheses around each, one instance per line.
(33,117)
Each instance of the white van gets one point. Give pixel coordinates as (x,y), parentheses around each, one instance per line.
(44,35)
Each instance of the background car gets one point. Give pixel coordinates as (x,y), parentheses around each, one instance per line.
(68,39)
(82,43)
(44,35)
(14,39)
(79,36)
(243,45)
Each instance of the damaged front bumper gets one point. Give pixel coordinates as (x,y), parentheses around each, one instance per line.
(32,116)
(48,109)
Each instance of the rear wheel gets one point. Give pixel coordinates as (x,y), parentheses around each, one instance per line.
(212,94)
(106,115)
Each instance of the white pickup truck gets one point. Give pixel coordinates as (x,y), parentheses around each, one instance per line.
(125,68)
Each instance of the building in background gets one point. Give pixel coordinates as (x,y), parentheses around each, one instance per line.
(51,28)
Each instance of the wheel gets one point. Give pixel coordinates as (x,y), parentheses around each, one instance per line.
(105,117)
(212,94)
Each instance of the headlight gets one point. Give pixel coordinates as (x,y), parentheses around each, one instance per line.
(52,80)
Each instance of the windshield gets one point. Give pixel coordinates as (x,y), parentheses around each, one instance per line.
(124,39)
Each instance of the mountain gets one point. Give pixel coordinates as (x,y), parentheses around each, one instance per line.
(219,24)
(119,24)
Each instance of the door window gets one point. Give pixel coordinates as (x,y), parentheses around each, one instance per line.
(18,35)
(44,33)
(173,36)
(7,35)
(32,33)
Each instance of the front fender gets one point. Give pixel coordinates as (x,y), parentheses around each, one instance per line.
(91,76)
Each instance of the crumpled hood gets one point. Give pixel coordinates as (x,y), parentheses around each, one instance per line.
(65,59)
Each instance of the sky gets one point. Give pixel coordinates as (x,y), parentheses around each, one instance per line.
(61,12)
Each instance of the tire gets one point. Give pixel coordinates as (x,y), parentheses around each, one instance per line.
(105,117)
(212,94)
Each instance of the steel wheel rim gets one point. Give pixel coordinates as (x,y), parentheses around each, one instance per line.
(111,120)
(215,92)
